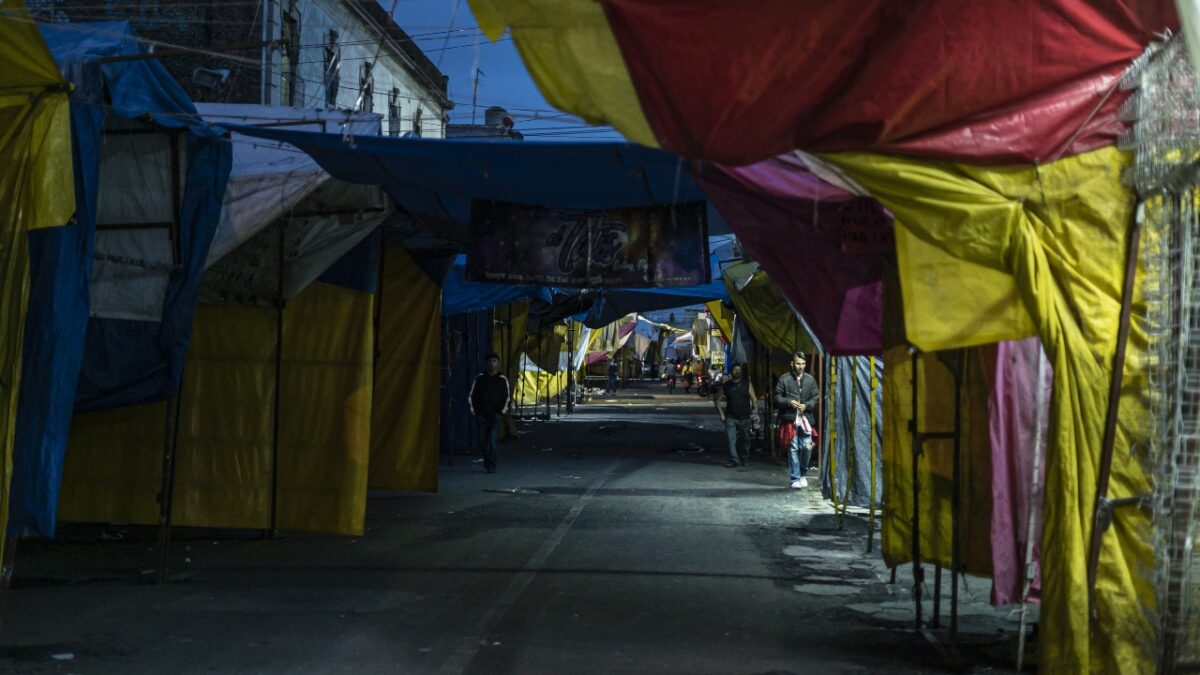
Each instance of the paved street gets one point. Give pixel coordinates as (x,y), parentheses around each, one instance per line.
(612,541)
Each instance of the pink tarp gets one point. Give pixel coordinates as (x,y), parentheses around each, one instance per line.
(1014,421)
(820,245)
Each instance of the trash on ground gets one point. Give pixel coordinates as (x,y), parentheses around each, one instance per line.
(514,491)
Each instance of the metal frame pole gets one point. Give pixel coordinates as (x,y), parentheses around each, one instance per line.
(273,525)
(871,517)
(918,571)
(956,494)
(167,492)
(1114,402)
(833,489)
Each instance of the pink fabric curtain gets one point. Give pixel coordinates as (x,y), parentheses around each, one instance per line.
(1018,414)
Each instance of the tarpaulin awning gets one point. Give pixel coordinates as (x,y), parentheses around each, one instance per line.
(460,296)
(821,246)
(738,83)
(438,178)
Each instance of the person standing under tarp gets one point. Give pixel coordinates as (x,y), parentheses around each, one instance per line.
(796,395)
(740,404)
(489,400)
(612,376)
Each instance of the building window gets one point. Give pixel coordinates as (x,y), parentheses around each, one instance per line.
(416,121)
(290,91)
(366,88)
(333,68)
(394,112)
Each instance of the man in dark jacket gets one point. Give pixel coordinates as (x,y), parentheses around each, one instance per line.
(489,400)
(796,395)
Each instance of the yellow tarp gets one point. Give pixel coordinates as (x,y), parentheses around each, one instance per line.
(723,316)
(935,465)
(405,436)
(767,314)
(1060,233)
(223,461)
(36,190)
(571,53)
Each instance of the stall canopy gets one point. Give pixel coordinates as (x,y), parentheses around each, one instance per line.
(460,296)
(438,178)
(117,332)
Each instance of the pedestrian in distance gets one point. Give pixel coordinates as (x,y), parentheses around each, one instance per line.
(488,401)
(613,368)
(738,413)
(796,395)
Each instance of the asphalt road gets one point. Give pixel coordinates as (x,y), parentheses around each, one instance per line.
(610,541)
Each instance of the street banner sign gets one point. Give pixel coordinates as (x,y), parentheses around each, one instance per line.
(648,246)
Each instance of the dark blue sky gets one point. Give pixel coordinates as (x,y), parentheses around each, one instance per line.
(448,33)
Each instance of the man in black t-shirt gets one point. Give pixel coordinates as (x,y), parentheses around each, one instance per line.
(489,400)
(740,404)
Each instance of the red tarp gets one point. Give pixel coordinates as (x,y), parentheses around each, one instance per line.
(1001,81)
(802,231)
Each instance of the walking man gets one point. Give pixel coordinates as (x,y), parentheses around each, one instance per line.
(796,395)
(489,400)
(740,404)
(613,370)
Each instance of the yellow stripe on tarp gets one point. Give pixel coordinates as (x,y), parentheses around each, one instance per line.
(1059,233)
(569,50)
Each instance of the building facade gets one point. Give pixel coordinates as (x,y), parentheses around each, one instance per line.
(321,54)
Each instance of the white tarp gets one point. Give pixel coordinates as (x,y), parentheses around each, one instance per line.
(268,178)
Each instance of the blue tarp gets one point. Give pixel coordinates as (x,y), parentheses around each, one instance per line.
(460,296)
(114,362)
(438,178)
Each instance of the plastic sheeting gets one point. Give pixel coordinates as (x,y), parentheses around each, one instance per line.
(1060,232)
(466,339)
(438,178)
(405,423)
(130,361)
(848,471)
(760,306)
(798,228)
(224,454)
(728,83)
(269,178)
(311,243)
(460,296)
(36,193)
(1018,410)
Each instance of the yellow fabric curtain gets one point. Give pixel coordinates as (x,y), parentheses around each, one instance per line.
(571,53)
(767,314)
(723,316)
(36,190)
(935,465)
(405,436)
(1059,231)
(223,460)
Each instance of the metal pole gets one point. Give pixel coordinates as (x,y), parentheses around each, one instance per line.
(273,525)
(7,567)
(833,491)
(955,495)
(1114,402)
(918,571)
(871,402)
(1035,488)
(166,493)
(570,367)
(852,441)
(936,620)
